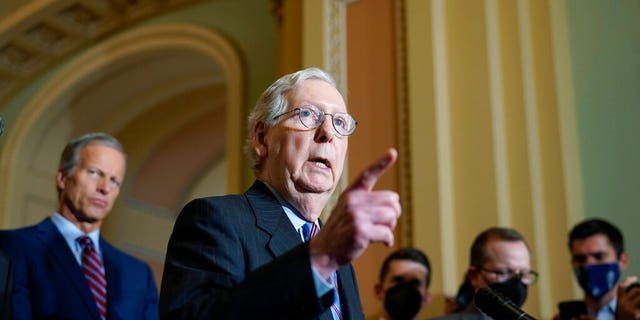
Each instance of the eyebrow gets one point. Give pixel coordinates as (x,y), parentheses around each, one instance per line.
(595,254)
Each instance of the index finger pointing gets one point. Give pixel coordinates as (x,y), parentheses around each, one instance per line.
(368,178)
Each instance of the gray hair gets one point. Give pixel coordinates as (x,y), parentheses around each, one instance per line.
(273,102)
(71,153)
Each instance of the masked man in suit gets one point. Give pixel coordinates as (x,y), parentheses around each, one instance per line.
(63,268)
(248,256)
(501,260)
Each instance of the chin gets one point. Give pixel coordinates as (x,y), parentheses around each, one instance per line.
(87,219)
(92,217)
(316,187)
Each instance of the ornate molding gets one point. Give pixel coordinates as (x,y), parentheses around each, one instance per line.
(37,114)
(38,35)
(336,51)
(404,136)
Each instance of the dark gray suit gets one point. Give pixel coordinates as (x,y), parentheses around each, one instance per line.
(239,257)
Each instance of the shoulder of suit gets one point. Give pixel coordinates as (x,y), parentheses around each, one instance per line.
(110,251)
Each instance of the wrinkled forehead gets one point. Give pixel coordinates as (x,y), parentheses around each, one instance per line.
(596,242)
(319,93)
(104,157)
(508,254)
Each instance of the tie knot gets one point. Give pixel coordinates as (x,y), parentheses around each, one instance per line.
(309,230)
(85,242)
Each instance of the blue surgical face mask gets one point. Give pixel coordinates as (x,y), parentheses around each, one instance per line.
(598,279)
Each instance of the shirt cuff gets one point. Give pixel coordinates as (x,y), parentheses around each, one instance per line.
(322,285)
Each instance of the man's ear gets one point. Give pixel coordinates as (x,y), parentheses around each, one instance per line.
(377,288)
(473,274)
(427,299)
(259,140)
(624,260)
(61,177)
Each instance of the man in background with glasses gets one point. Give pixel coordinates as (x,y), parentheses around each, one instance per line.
(264,254)
(500,259)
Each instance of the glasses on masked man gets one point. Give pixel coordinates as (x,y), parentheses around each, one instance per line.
(502,275)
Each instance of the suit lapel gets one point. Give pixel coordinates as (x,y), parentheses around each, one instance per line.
(59,252)
(272,219)
(327,315)
(115,290)
(346,290)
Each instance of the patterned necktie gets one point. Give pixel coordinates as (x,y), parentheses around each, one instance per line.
(92,269)
(310,230)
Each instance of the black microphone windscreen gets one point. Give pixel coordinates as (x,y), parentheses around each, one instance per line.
(498,307)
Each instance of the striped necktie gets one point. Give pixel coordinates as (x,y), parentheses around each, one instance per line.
(310,230)
(92,269)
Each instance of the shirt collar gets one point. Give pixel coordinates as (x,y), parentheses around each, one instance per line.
(70,232)
(294,216)
(607,312)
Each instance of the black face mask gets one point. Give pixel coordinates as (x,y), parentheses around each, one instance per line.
(402,301)
(513,289)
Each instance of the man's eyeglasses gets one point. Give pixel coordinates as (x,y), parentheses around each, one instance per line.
(501,275)
(312,117)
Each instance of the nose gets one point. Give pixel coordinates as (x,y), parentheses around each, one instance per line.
(325,132)
(104,186)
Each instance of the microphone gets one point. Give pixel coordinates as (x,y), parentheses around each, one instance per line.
(497,306)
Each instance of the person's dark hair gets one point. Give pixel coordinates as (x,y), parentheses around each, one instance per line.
(591,227)
(407,253)
(71,153)
(479,254)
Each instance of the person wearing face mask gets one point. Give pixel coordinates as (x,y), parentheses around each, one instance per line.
(499,259)
(598,260)
(403,285)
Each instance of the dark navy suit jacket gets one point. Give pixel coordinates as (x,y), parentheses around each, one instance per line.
(6,285)
(239,257)
(49,283)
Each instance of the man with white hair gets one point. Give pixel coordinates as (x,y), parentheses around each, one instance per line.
(256,255)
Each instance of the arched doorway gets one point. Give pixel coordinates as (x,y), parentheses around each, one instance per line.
(168,92)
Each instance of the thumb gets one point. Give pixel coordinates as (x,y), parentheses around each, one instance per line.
(368,178)
(625,284)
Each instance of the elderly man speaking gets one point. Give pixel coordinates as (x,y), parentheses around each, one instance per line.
(264,254)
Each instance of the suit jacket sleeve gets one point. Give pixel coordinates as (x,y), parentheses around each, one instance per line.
(6,285)
(151,297)
(219,266)
(20,295)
